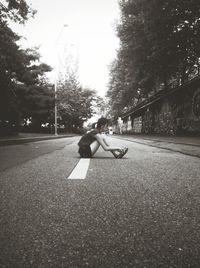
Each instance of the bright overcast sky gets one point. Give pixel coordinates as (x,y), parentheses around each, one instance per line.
(89,37)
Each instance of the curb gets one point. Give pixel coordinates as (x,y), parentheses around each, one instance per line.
(153,139)
(31,139)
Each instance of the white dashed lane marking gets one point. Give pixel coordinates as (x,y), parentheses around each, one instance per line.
(80,170)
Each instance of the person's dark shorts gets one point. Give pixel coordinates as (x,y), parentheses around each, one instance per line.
(85,151)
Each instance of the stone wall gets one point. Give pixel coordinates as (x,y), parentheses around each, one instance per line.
(137,124)
(173,114)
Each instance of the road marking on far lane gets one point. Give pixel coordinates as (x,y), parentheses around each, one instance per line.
(80,170)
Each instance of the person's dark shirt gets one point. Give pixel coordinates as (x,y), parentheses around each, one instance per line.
(88,138)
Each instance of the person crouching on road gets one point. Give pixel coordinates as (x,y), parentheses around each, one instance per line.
(91,141)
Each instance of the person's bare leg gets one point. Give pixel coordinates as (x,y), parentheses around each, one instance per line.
(114,152)
(94,147)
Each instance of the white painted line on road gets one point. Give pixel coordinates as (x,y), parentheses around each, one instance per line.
(80,170)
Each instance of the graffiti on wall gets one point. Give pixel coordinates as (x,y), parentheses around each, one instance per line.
(196,103)
(175,113)
(137,124)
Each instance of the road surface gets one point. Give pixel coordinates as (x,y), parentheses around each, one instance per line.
(139,211)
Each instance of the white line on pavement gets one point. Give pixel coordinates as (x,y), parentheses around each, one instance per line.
(80,170)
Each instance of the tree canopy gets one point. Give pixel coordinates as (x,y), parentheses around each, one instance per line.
(23,90)
(159,46)
(26,96)
(16,10)
(75,103)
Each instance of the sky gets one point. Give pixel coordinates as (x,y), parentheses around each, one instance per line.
(81,31)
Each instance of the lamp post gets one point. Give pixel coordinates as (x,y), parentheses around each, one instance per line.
(55,87)
(56,123)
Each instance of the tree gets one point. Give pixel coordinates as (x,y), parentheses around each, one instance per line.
(16,10)
(9,61)
(159,44)
(75,103)
(23,91)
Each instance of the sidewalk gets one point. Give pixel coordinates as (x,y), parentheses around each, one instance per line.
(194,141)
(30,137)
(185,145)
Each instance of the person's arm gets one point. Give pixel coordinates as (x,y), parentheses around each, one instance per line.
(101,140)
(104,139)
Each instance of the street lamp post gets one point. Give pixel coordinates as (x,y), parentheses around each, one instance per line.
(56,124)
(55,88)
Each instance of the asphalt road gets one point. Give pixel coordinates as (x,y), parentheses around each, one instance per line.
(20,153)
(139,211)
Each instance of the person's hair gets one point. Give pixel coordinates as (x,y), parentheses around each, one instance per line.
(102,122)
(94,125)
